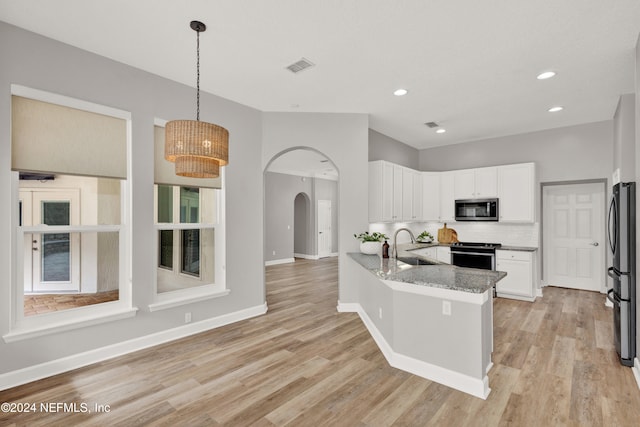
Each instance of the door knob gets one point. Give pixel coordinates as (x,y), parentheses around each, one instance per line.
(594,243)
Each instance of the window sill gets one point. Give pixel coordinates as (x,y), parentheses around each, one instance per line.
(170,301)
(26,332)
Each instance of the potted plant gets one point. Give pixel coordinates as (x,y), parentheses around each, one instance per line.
(425,237)
(370,243)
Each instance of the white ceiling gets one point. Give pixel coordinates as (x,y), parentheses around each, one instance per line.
(469,65)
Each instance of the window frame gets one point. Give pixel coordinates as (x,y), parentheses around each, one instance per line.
(169,299)
(25,327)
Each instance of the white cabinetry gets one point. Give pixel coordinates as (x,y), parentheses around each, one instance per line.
(431,196)
(380,191)
(443,254)
(475,183)
(437,253)
(411,195)
(519,281)
(395,193)
(516,191)
(447,200)
(396,197)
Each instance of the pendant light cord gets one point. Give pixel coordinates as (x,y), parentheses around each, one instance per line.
(198,76)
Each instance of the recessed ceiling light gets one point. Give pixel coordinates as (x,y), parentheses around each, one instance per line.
(400,92)
(441,130)
(555,109)
(546,75)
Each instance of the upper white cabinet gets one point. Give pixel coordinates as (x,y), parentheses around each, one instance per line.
(447,199)
(396,206)
(516,192)
(475,183)
(416,206)
(395,193)
(400,194)
(431,196)
(380,191)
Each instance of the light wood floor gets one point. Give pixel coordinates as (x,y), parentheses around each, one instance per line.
(47,303)
(304,364)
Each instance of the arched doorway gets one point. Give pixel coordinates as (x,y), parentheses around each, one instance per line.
(300,208)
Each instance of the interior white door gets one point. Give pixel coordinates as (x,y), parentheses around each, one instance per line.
(55,257)
(573,236)
(324,228)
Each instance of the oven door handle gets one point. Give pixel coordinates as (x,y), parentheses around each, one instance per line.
(471,253)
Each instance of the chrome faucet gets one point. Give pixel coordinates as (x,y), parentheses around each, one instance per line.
(394,251)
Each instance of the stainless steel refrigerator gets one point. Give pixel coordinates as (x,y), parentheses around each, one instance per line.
(622,242)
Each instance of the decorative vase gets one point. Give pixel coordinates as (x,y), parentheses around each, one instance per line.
(370,248)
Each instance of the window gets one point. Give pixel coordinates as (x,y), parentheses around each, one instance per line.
(186,237)
(190,233)
(71,215)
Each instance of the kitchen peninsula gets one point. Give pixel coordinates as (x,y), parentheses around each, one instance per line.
(434,320)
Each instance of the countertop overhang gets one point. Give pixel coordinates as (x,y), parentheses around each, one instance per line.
(442,276)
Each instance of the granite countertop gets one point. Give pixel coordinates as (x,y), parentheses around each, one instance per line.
(518,248)
(443,276)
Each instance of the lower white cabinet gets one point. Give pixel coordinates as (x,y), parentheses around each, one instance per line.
(519,282)
(443,254)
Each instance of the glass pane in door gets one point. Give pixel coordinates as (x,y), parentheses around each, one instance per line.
(55,247)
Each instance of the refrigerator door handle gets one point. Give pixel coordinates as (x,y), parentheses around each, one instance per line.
(611,296)
(611,272)
(613,225)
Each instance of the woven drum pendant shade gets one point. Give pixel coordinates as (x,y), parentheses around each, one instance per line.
(197,148)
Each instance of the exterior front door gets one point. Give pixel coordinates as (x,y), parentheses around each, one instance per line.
(573,236)
(52,260)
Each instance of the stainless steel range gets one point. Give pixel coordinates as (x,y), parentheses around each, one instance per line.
(474,255)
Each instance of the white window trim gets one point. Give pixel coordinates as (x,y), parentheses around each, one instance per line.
(25,327)
(166,300)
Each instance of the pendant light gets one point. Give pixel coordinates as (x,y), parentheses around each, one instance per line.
(197,148)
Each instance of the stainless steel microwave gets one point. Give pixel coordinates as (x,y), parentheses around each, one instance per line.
(477,210)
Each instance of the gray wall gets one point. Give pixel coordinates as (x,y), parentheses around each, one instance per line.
(561,154)
(280,191)
(37,62)
(382,147)
(281,235)
(624,137)
(343,139)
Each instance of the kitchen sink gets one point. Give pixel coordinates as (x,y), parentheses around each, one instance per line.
(416,261)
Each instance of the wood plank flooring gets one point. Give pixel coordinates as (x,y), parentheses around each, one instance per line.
(304,364)
(47,303)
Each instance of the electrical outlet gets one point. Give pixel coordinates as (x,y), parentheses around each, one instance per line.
(380,312)
(187,317)
(446,308)
(274,252)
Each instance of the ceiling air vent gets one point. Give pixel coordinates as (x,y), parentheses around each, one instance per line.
(300,65)
(432,124)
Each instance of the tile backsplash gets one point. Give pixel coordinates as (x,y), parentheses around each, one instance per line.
(506,234)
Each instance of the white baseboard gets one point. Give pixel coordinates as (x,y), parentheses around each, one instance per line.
(539,293)
(334,254)
(473,386)
(636,370)
(58,366)
(279,261)
(306,256)
(348,307)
